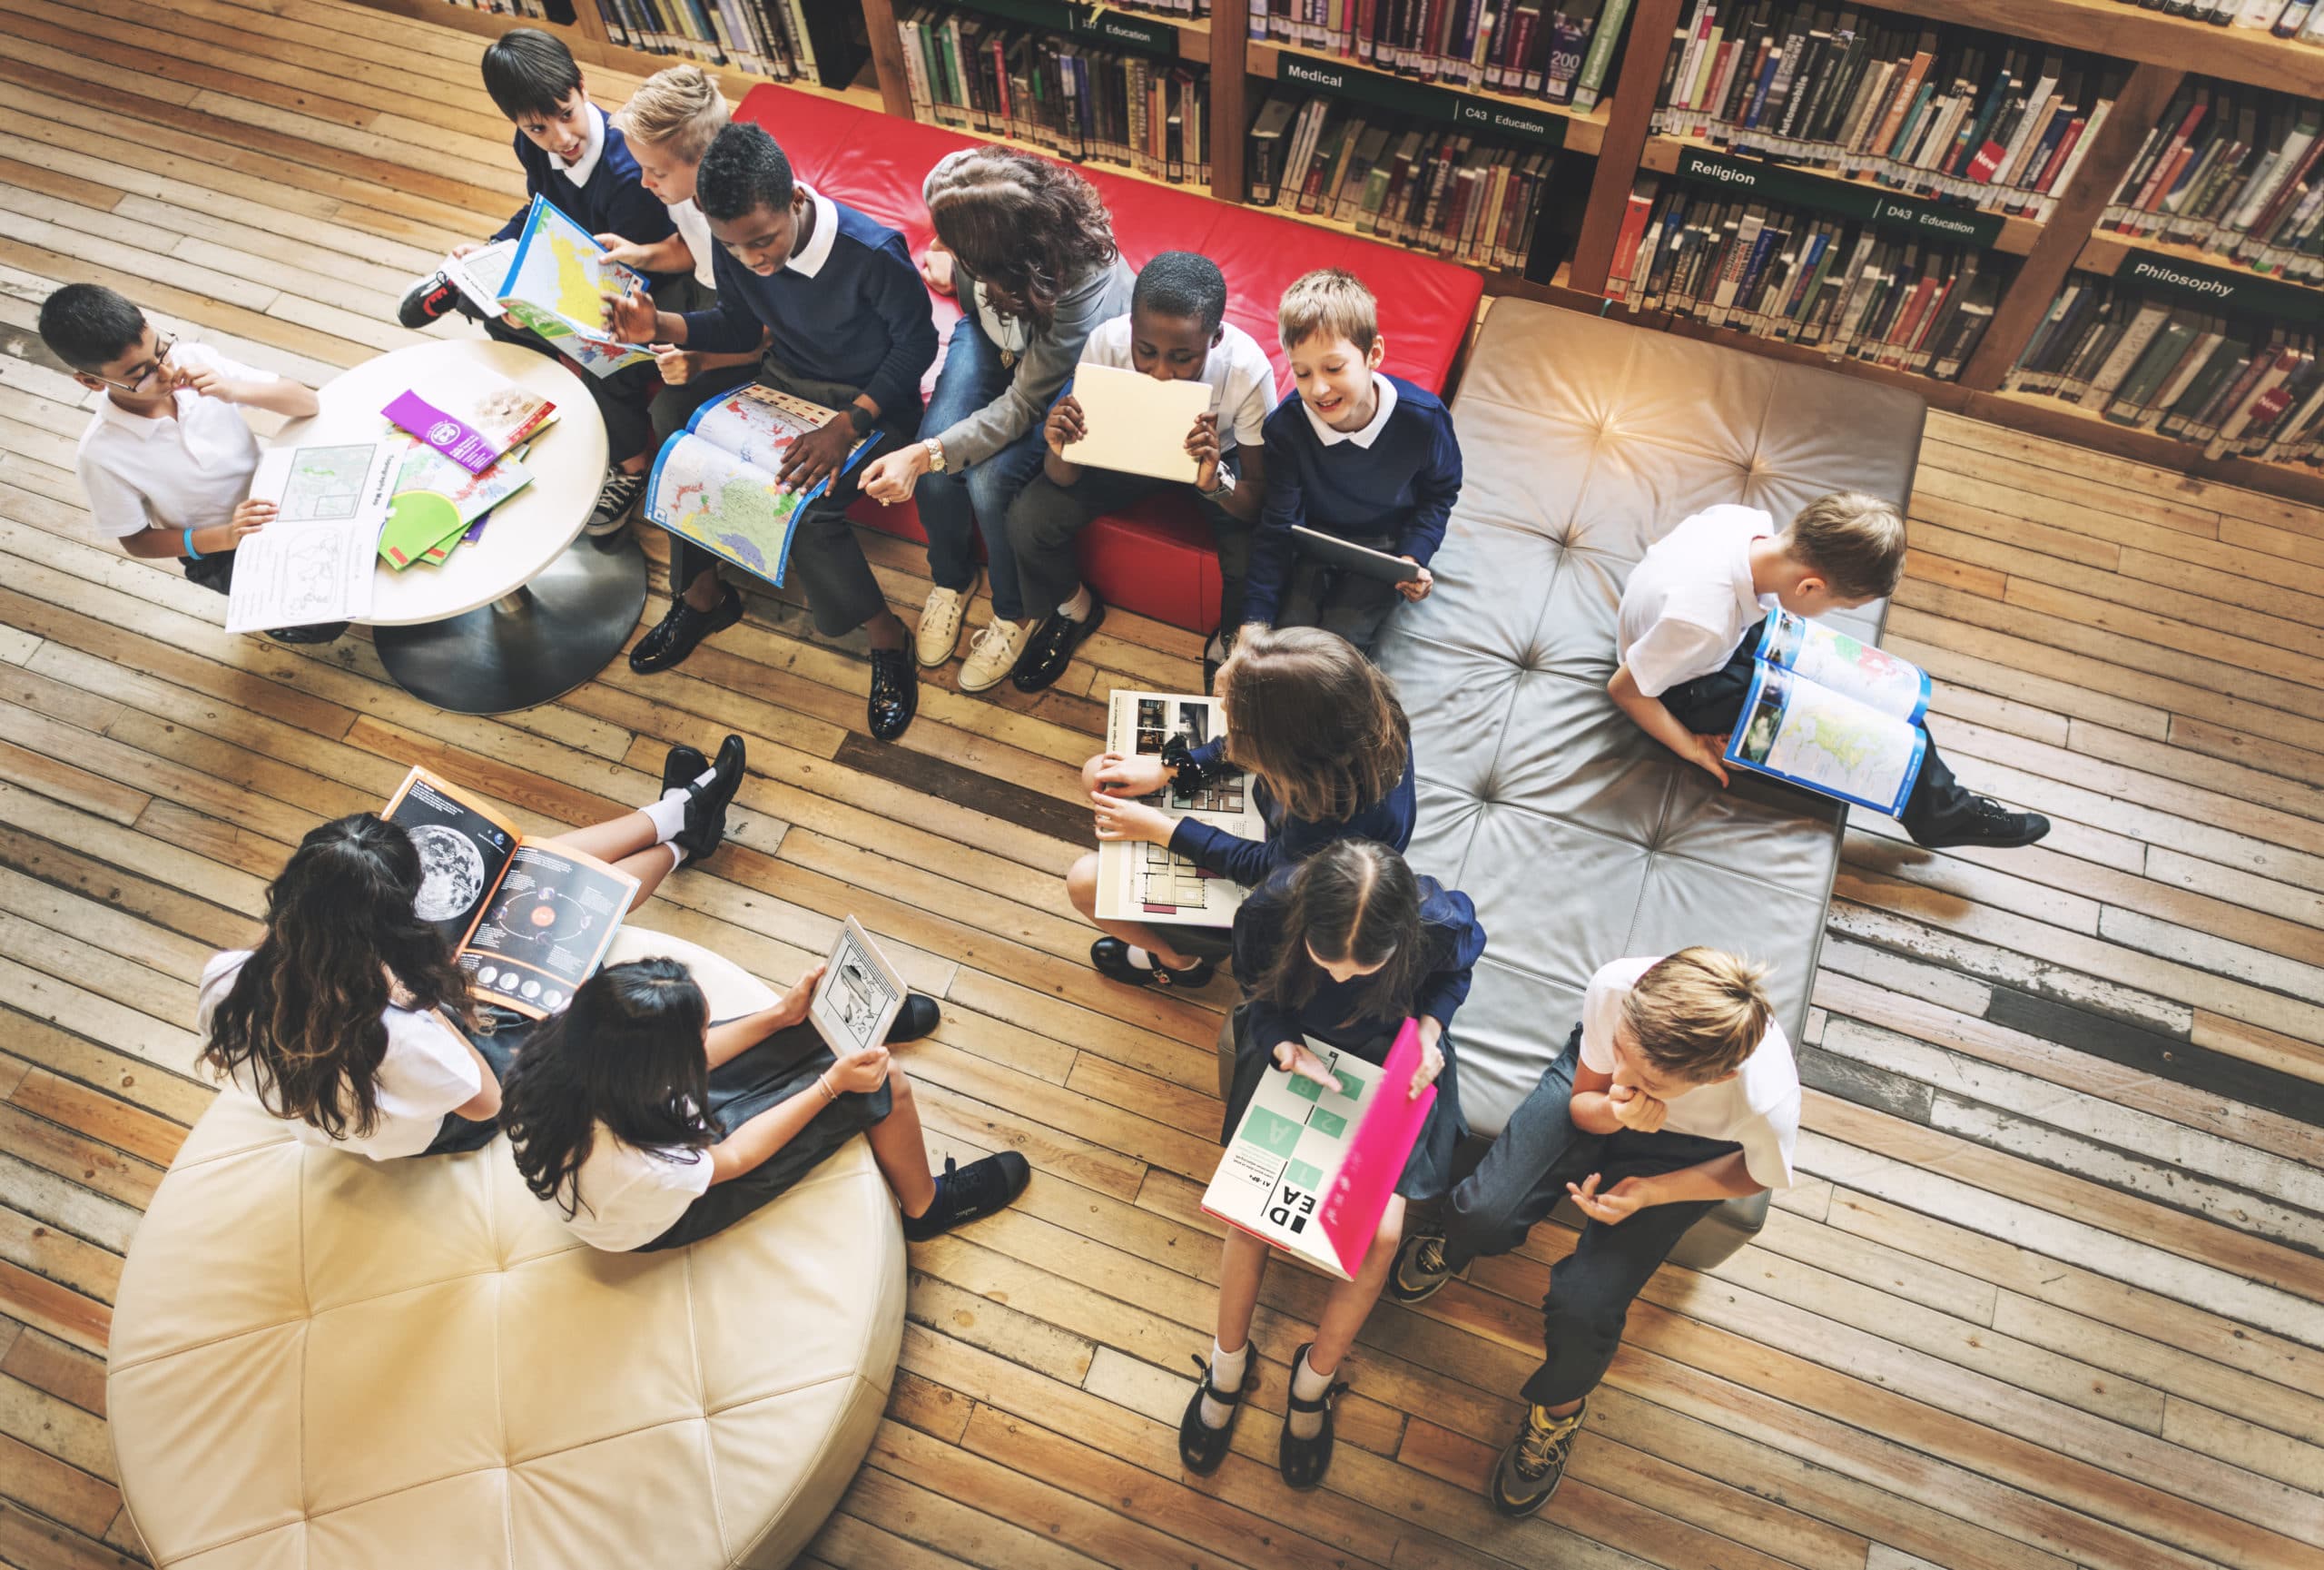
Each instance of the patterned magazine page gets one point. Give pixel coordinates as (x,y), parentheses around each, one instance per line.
(436,499)
(1150,883)
(1831,744)
(558,287)
(757,424)
(727,506)
(1838,663)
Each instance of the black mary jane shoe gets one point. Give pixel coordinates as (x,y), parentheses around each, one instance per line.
(705,823)
(1202,1447)
(684,766)
(1111,956)
(895,693)
(1303,1462)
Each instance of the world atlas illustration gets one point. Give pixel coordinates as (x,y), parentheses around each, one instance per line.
(558,287)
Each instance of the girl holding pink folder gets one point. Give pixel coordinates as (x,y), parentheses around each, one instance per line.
(1344,947)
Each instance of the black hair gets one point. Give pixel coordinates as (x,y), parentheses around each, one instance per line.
(627,1052)
(743,170)
(1353,900)
(1182,283)
(529,72)
(88,326)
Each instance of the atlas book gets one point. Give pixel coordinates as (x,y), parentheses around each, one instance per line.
(557,284)
(1311,1167)
(1833,715)
(472,418)
(529,921)
(437,501)
(1139,882)
(313,561)
(716,482)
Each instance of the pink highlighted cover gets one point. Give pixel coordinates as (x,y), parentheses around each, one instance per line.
(1376,1155)
(473,423)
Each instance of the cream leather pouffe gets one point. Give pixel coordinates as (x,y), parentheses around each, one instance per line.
(320,1362)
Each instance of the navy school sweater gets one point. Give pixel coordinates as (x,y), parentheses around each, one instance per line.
(1249,862)
(612,201)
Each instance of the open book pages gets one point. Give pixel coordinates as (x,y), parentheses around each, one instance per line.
(860,995)
(313,561)
(1796,730)
(1833,660)
(435,499)
(479,274)
(471,417)
(1135,424)
(557,285)
(716,482)
(1149,882)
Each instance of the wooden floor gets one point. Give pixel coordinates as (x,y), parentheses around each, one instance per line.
(2050,1293)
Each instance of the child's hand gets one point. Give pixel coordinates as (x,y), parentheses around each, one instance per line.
(1294,1057)
(250,517)
(1417,589)
(201,378)
(1137,776)
(630,317)
(816,455)
(1065,425)
(1425,1073)
(936,267)
(675,365)
(1120,818)
(1617,1204)
(1202,446)
(467,248)
(1635,1111)
(622,251)
(790,1009)
(863,1070)
(1711,754)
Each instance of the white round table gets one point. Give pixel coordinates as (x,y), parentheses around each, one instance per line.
(531,608)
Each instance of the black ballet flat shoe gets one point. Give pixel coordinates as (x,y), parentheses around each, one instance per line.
(895,693)
(1111,956)
(1202,1447)
(1303,1462)
(668,641)
(684,766)
(965,1193)
(918,1017)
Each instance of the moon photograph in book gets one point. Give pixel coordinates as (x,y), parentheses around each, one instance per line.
(451,872)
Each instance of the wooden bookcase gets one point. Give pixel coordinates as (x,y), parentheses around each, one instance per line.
(2161,49)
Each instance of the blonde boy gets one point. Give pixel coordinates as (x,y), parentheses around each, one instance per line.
(1691,620)
(1675,1092)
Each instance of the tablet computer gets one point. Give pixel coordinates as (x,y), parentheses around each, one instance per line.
(1135,424)
(860,995)
(1354,557)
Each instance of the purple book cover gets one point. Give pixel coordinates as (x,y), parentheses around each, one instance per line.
(448,434)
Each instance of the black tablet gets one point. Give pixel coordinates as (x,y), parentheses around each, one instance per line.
(1354,557)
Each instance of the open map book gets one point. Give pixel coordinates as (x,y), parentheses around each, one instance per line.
(1310,1167)
(528,922)
(1138,882)
(714,482)
(1833,714)
(556,285)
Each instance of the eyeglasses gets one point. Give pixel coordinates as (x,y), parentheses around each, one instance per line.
(162,350)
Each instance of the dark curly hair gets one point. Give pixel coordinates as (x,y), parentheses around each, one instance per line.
(306,1017)
(1022,224)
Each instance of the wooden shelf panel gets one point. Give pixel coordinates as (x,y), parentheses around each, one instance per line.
(2106,251)
(1584,130)
(2045,416)
(1662,155)
(2130,33)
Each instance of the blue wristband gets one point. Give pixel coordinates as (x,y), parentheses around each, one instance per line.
(186,539)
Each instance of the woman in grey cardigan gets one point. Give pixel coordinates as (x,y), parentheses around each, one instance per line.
(1035,267)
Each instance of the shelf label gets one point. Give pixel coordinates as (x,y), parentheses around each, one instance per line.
(1096,23)
(1840,198)
(2247,294)
(1487,116)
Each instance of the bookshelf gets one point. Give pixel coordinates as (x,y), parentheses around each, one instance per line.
(1612,145)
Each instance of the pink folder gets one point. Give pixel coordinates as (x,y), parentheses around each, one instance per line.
(1376,1155)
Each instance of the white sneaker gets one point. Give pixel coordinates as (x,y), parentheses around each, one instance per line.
(992,654)
(940,624)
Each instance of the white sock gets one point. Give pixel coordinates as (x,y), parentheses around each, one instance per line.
(678,853)
(1226,1371)
(1144,960)
(1309,1386)
(1078,607)
(669,816)
(1216,649)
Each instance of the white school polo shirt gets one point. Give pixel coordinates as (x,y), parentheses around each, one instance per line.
(1690,602)
(694,229)
(427,1071)
(1241,381)
(629,1196)
(1759,1109)
(187,468)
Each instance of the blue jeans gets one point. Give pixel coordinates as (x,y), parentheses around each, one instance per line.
(971,500)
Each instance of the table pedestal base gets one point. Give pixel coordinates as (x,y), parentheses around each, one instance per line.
(531,647)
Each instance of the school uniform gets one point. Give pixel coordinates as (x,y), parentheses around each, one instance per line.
(1390,486)
(425,1074)
(1289,840)
(1690,623)
(1525,1173)
(846,314)
(1332,1013)
(1046,517)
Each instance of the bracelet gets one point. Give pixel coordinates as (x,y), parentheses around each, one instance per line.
(823,1082)
(186,539)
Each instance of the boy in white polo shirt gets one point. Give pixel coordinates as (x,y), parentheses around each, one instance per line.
(167,459)
(1676,1092)
(1689,626)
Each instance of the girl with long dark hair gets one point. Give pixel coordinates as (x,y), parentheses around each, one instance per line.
(642,1123)
(1344,947)
(1036,268)
(349,1020)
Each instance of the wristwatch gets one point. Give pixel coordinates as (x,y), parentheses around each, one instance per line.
(935,455)
(1222,485)
(860,417)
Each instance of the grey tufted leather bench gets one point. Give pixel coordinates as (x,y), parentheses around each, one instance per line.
(1581,840)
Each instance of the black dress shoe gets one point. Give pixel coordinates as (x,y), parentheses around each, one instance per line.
(673,638)
(1111,956)
(964,1193)
(1052,645)
(918,1017)
(705,825)
(1303,1462)
(318,632)
(895,693)
(1202,1447)
(684,766)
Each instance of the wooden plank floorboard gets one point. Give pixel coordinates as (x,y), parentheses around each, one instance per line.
(2050,1292)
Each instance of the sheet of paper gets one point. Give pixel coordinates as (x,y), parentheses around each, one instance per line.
(314,561)
(1135,424)
(479,274)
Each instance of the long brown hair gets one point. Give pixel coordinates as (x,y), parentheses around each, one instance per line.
(1317,720)
(1022,225)
(306,1016)
(1353,900)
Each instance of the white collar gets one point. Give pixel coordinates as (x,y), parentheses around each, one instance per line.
(1747,598)
(581,168)
(141,426)
(1385,390)
(808,261)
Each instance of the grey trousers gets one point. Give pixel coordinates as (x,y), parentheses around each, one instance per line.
(1047,517)
(1522,1180)
(1318,594)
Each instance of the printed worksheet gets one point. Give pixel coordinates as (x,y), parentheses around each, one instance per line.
(314,561)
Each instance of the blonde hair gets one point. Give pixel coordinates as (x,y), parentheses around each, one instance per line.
(1330,302)
(678,109)
(1698,1015)
(1854,542)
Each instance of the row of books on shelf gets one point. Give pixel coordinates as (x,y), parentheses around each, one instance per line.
(1946,113)
(1430,187)
(2234,171)
(2284,18)
(2239,388)
(1558,50)
(980,73)
(1846,286)
(785,39)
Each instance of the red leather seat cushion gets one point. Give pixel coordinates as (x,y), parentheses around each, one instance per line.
(1156,559)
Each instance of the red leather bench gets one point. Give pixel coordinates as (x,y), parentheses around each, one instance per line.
(1156,559)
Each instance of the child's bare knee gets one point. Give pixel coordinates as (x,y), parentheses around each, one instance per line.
(1082,884)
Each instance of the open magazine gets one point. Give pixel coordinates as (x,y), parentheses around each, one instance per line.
(437,501)
(714,482)
(1138,882)
(1310,1167)
(860,993)
(313,561)
(1833,715)
(473,417)
(529,921)
(557,284)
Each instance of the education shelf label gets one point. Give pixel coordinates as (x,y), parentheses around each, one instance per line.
(1841,198)
(1150,35)
(1484,116)
(2217,288)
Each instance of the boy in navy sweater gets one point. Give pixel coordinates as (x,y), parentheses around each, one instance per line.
(580,162)
(846,321)
(1353,452)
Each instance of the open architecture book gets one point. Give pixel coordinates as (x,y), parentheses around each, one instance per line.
(1138,882)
